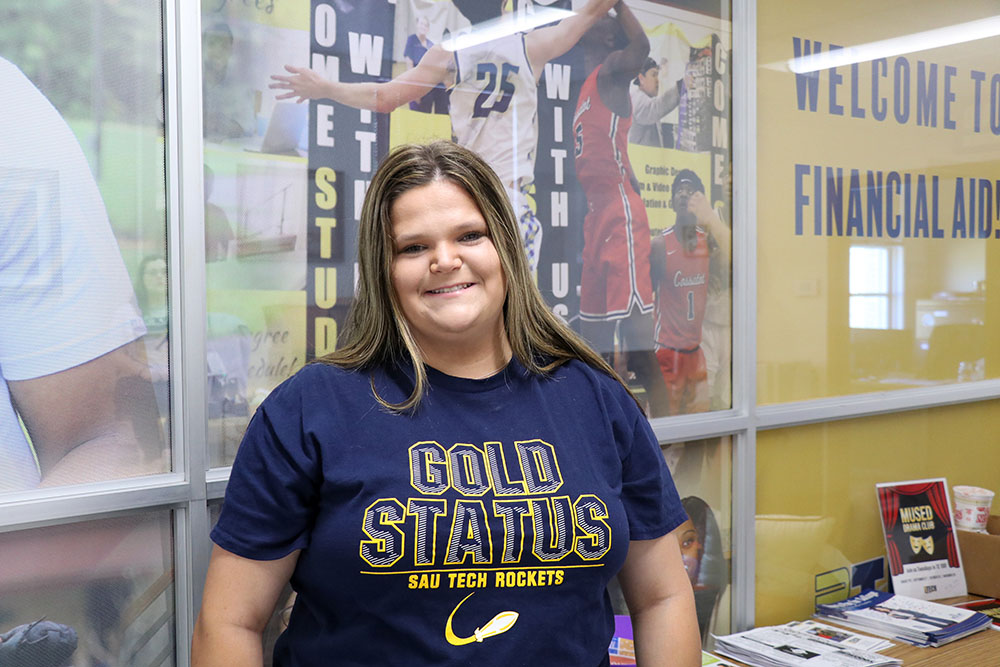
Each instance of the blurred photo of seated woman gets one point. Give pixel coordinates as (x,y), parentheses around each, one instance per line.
(459,481)
(701,551)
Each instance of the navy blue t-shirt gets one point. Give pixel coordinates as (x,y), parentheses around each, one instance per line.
(481,530)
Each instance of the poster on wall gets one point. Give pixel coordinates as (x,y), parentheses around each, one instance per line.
(255,190)
(920,541)
(303,102)
(510,81)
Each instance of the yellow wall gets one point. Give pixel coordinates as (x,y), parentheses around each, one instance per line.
(822,478)
(806,347)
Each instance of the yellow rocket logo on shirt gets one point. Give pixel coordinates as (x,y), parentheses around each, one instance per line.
(497,625)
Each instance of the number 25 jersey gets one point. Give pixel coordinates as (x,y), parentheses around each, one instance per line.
(494,107)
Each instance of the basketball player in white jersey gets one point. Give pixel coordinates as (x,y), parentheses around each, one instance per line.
(493,86)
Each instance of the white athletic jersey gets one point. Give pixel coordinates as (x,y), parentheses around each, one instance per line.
(65,296)
(494,107)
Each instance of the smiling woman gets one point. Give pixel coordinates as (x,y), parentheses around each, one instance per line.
(448,280)
(473,473)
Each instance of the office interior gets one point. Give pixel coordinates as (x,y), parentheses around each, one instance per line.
(852,150)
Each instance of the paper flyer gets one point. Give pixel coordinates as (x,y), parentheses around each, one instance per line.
(922,550)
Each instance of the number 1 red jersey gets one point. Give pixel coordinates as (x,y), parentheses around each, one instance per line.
(681,292)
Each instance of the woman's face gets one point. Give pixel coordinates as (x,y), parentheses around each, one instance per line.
(446,271)
(691,549)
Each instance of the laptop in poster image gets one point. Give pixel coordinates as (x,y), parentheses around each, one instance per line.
(284,130)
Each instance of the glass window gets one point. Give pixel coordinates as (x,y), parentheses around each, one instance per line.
(818,532)
(83,354)
(285,179)
(875,274)
(94,593)
(256,221)
(874,253)
(702,471)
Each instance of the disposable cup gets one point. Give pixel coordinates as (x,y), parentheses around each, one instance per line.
(972,507)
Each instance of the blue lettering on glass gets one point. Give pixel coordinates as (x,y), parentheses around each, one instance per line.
(880,67)
(977,97)
(801,198)
(808,83)
(995,104)
(856,110)
(855,226)
(949,97)
(926,94)
(958,229)
(875,204)
(901,90)
(835,80)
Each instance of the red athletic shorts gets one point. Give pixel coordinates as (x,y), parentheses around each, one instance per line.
(615,255)
(686,377)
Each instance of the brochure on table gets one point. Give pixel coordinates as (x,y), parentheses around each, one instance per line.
(797,644)
(989,607)
(915,621)
(922,549)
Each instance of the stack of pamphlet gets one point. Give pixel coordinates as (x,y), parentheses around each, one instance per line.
(804,643)
(914,621)
(990,607)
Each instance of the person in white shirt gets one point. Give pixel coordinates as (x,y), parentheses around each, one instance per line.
(649,106)
(72,368)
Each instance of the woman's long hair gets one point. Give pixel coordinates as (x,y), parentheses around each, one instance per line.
(377,333)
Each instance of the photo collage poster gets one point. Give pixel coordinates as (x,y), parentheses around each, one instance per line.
(285,178)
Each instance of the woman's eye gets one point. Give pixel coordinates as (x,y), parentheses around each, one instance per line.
(411,249)
(473,236)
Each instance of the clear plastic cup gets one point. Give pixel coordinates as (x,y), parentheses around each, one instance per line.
(972,507)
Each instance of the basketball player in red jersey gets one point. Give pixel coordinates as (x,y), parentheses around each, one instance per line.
(615,289)
(680,261)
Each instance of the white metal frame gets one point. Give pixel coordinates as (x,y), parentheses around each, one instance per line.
(187,491)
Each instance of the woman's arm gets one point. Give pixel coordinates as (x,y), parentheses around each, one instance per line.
(661,603)
(240,595)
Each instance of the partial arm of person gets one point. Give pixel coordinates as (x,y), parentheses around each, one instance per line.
(661,603)
(239,598)
(544,44)
(437,66)
(95,421)
(709,220)
(626,63)
(657,259)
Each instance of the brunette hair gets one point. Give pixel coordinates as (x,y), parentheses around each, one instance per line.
(377,333)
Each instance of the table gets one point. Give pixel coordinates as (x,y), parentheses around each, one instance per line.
(979,650)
